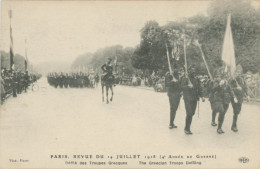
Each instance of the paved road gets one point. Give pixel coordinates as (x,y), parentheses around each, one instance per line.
(75,121)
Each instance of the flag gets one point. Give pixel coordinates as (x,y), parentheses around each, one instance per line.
(228,52)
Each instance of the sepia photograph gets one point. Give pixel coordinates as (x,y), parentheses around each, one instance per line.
(129,84)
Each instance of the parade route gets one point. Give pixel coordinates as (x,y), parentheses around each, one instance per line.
(76,121)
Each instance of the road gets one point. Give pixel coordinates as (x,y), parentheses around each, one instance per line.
(51,121)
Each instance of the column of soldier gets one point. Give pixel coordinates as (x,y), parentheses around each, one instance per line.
(73,80)
(15,82)
(221,91)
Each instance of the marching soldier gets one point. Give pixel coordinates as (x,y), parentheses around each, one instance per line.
(192,91)
(222,97)
(211,85)
(239,87)
(14,84)
(172,84)
(27,81)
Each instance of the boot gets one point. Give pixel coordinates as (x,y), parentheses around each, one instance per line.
(234,124)
(234,129)
(220,131)
(213,124)
(188,132)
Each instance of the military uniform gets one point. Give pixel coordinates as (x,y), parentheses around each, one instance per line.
(14,84)
(222,97)
(27,81)
(240,89)
(108,71)
(174,94)
(190,95)
(210,87)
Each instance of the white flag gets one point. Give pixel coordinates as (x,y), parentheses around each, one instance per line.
(228,51)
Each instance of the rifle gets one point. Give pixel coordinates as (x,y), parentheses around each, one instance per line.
(169,63)
(203,57)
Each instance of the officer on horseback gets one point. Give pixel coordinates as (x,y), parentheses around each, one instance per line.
(107,70)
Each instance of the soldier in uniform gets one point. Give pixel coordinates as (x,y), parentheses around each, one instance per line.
(239,88)
(211,84)
(222,97)
(107,69)
(172,84)
(2,89)
(192,91)
(14,84)
(27,81)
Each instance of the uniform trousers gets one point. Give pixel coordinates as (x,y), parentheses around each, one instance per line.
(190,106)
(174,100)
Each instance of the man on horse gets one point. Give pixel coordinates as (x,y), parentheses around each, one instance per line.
(107,70)
(107,79)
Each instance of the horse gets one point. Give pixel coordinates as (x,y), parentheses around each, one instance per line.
(107,82)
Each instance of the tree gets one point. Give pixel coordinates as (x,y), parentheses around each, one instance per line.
(245,24)
(18,61)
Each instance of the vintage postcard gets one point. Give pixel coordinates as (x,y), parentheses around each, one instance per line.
(129,84)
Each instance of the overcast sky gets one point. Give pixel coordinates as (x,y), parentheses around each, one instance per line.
(62,30)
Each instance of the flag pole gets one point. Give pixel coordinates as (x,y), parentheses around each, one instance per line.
(11,43)
(203,57)
(185,59)
(168,58)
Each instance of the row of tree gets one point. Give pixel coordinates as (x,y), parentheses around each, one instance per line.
(209,31)
(122,57)
(205,31)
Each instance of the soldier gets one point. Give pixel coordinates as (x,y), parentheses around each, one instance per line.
(27,81)
(66,80)
(210,86)
(222,97)
(14,84)
(172,84)
(239,87)
(96,79)
(191,93)
(2,89)
(107,69)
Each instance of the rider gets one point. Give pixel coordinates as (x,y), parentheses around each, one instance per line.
(107,70)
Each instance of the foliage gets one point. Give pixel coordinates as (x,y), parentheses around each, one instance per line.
(209,30)
(18,61)
(97,59)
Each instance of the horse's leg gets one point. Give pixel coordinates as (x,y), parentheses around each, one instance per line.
(112,93)
(107,88)
(102,86)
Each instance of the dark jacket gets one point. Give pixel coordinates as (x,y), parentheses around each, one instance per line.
(107,68)
(223,93)
(239,88)
(191,93)
(173,88)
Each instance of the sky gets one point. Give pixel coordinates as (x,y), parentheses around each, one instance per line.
(63,30)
